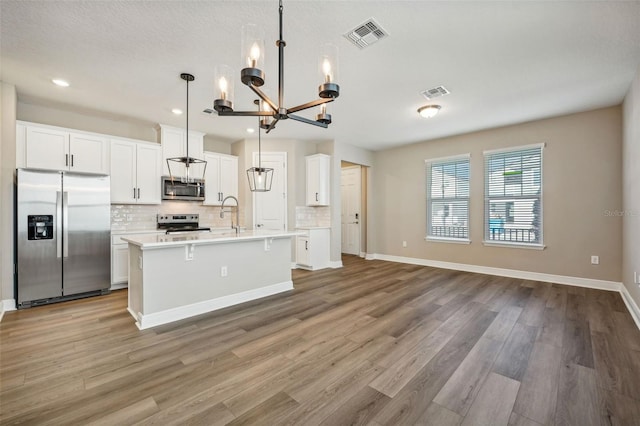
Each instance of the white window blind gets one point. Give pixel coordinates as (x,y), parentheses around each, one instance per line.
(513,196)
(448,198)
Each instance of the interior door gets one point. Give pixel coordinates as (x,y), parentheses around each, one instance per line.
(350,185)
(270,208)
(87,233)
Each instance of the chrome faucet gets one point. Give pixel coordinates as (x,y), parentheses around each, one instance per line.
(237,227)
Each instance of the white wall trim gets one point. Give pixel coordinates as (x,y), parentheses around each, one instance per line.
(526,275)
(335,264)
(512,273)
(631,304)
(119,286)
(370,256)
(7,305)
(176,314)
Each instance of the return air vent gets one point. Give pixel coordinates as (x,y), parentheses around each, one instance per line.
(366,34)
(436,92)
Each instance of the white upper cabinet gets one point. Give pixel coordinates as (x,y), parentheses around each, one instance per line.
(318,178)
(89,153)
(174,144)
(54,148)
(221,178)
(136,171)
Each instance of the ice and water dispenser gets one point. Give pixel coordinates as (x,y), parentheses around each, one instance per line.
(40,227)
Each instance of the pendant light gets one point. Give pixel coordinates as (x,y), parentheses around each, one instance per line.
(187,160)
(260,178)
(252,75)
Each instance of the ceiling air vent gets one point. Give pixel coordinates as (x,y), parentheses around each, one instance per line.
(436,92)
(366,34)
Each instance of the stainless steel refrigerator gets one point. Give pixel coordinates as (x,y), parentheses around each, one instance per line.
(62,236)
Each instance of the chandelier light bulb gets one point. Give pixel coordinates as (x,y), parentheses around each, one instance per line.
(326,68)
(254,55)
(224,86)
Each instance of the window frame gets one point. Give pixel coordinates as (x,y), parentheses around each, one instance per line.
(429,200)
(487,199)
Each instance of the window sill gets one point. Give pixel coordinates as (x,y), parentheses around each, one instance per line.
(514,245)
(448,240)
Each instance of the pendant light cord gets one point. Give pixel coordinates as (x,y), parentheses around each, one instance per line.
(187,135)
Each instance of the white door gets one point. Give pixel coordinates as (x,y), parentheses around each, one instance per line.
(351,196)
(270,208)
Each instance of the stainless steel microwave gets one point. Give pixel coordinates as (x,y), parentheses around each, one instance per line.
(179,189)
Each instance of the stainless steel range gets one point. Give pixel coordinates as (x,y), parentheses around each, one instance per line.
(176,223)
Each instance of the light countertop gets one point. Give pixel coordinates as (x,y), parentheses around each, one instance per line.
(149,241)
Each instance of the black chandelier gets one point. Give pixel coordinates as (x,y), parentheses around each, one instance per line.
(253,77)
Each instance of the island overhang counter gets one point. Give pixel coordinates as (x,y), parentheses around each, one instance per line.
(173,277)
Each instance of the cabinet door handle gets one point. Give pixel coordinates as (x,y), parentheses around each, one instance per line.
(71,160)
(66,159)
(138,193)
(134,193)
(316,196)
(306,245)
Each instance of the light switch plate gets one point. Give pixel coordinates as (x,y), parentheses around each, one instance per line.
(595,260)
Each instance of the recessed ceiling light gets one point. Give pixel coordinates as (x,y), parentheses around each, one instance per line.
(250,130)
(429,111)
(60,83)
(176,111)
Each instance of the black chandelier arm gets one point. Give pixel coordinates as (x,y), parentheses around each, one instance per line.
(309,105)
(306,120)
(272,125)
(263,96)
(246,113)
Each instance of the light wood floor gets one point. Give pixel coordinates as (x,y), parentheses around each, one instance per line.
(374,343)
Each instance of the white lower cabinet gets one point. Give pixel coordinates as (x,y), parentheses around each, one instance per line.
(120,258)
(312,250)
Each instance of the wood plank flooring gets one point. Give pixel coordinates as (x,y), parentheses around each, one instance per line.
(373,343)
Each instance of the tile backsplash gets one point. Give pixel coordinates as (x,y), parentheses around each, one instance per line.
(134,217)
(313,216)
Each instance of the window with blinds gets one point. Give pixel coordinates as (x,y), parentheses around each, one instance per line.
(513,196)
(448,198)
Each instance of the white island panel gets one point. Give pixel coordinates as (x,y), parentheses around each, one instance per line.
(182,277)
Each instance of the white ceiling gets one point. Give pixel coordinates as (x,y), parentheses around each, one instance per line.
(504,62)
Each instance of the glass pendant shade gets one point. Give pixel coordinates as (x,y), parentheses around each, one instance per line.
(224,87)
(328,70)
(252,55)
(260,179)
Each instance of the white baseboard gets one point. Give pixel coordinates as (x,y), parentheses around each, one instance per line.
(182,312)
(7,305)
(526,275)
(370,256)
(631,304)
(336,264)
(119,286)
(511,273)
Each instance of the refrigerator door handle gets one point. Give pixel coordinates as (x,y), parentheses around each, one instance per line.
(65,223)
(58,224)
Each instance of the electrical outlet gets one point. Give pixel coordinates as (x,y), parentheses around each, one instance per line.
(223,271)
(595,260)
(404,244)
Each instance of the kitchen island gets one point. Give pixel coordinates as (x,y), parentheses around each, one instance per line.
(172,277)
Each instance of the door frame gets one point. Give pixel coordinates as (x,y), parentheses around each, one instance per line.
(360,220)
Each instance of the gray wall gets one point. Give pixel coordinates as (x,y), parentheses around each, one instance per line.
(582,181)
(631,191)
